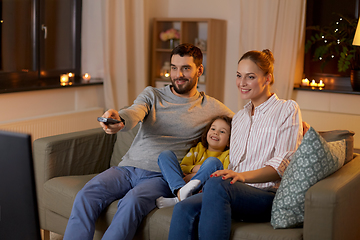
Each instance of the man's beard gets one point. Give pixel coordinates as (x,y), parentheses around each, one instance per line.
(184,88)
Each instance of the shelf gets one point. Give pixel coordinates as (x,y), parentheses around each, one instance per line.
(170,50)
(44,84)
(328,89)
(210,34)
(333,84)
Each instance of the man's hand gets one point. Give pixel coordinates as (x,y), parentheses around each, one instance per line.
(112,128)
(225,174)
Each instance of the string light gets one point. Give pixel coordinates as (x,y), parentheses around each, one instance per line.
(334,35)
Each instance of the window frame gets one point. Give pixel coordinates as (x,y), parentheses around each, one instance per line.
(34,78)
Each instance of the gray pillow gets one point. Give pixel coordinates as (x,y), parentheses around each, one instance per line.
(337,135)
(315,159)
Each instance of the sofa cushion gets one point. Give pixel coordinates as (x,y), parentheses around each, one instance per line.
(337,135)
(60,192)
(314,160)
(159,224)
(59,196)
(122,144)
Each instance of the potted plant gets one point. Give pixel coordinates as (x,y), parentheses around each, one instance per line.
(335,41)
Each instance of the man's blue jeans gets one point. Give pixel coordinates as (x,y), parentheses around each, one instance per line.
(137,190)
(208,215)
(173,174)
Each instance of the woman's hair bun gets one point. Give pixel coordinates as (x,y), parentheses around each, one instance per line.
(269,55)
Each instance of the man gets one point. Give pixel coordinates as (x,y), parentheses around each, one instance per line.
(171,119)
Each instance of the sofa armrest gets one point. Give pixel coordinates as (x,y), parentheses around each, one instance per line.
(332,206)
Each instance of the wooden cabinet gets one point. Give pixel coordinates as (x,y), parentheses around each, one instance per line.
(209,34)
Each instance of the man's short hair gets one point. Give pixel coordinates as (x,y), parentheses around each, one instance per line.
(188,49)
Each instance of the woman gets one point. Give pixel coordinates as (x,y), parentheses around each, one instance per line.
(264,136)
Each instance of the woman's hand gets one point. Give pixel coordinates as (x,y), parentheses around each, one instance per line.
(112,128)
(261,175)
(229,174)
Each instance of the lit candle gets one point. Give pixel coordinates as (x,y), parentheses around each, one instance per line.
(86,77)
(71,77)
(313,83)
(305,82)
(321,84)
(64,79)
(165,70)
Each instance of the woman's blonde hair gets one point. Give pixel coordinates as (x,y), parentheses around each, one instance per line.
(264,60)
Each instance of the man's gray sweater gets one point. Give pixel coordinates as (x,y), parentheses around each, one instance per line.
(168,122)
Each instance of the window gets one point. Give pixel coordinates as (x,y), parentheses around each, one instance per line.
(321,13)
(39,40)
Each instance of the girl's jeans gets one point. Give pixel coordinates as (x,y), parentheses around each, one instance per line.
(173,174)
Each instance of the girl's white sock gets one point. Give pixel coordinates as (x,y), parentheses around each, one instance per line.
(186,191)
(162,202)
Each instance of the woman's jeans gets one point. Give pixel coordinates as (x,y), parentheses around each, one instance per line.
(173,174)
(208,215)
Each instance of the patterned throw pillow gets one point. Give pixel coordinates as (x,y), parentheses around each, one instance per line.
(315,159)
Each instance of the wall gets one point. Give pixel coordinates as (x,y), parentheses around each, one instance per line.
(51,104)
(330,111)
(17,106)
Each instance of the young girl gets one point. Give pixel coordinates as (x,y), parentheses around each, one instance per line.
(209,155)
(264,136)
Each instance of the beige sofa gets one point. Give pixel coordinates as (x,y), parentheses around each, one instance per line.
(64,163)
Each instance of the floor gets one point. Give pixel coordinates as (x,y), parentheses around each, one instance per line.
(54,236)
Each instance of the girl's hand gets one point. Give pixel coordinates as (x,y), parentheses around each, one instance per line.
(229,174)
(195,169)
(188,177)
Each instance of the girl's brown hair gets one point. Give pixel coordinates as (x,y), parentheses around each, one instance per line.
(204,135)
